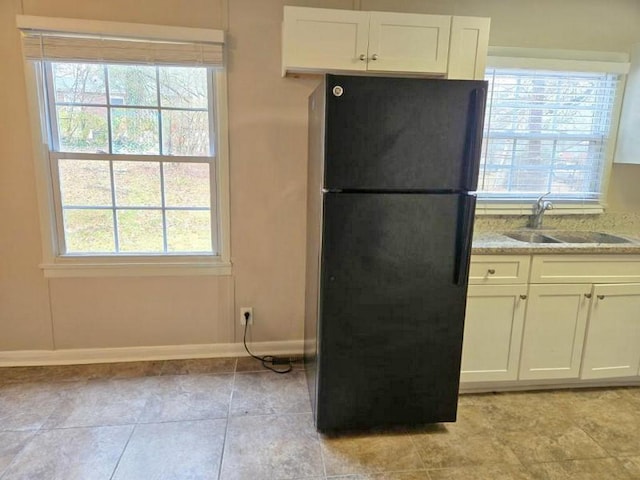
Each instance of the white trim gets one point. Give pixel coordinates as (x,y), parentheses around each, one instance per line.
(131,354)
(164,269)
(524,385)
(563,60)
(222,165)
(118,29)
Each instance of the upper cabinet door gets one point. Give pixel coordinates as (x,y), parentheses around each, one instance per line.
(402,42)
(468,48)
(333,39)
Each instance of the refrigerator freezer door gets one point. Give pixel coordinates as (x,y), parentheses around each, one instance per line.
(403,133)
(391,310)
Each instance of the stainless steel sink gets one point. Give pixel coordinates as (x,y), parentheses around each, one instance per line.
(587,237)
(531,237)
(565,237)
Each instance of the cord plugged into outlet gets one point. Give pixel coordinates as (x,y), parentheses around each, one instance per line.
(246,316)
(268,361)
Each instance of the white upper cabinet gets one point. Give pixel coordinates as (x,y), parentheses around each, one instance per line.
(628,148)
(318,40)
(333,39)
(403,42)
(468,48)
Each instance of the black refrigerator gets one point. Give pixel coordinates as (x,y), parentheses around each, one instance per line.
(389,226)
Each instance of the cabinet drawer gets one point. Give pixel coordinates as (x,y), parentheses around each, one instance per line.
(585,269)
(498,269)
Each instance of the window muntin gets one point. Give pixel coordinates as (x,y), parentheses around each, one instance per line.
(546,131)
(133,157)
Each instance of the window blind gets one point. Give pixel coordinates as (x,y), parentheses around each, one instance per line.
(546,131)
(64,47)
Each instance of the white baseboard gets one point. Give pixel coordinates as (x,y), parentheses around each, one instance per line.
(20,358)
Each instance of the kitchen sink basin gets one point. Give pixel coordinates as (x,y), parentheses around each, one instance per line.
(531,237)
(565,237)
(587,237)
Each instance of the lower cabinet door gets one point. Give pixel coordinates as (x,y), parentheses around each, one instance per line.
(554,331)
(612,347)
(493,332)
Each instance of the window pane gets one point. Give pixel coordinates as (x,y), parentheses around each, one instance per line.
(85,182)
(137,184)
(185,132)
(140,231)
(133,85)
(189,231)
(135,131)
(546,131)
(79,83)
(186,184)
(183,87)
(89,231)
(83,129)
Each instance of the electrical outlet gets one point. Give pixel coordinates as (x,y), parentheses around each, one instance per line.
(243,312)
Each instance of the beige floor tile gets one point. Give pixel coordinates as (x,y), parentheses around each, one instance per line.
(70,454)
(73,373)
(518,412)
(569,444)
(23,374)
(187,397)
(271,447)
(369,453)
(102,402)
(615,428)
(173,450)
(445,449)
(27,406)
(596,469)
(11,443)
(199,365)
(631,465)
(260,393)
(484,472)
(418,475)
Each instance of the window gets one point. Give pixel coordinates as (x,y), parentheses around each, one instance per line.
(548,130)
(135,158)
(131,152)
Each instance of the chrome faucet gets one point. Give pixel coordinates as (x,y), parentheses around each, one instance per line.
(541,206)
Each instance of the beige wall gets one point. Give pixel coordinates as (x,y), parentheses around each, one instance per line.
(267,120)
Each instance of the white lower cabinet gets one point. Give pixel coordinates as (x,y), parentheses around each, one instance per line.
(492,332)
(554,331)
(612,347)
(568,317)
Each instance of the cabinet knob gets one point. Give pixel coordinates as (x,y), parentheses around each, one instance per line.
(523,297)
(362,57)
(587,295)
(600,297)
(374,56)
(491,271)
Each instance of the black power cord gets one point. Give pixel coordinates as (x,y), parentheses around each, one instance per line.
(266,358)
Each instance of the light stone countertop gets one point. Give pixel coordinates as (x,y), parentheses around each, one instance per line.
(494,243)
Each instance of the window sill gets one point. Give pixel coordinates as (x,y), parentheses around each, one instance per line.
(68,268)
(525,209)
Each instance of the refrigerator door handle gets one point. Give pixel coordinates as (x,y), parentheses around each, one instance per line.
(464,238)
(475,125)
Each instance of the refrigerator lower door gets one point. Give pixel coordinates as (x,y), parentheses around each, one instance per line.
(391,309)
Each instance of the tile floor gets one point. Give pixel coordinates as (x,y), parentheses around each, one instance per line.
(229,419)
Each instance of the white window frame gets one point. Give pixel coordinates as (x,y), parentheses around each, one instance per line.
(56,265)
(562,60)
